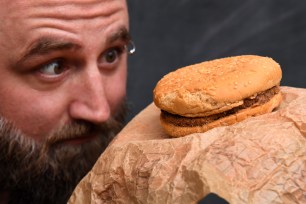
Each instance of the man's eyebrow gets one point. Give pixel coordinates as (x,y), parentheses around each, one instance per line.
(122,34)
(44,46)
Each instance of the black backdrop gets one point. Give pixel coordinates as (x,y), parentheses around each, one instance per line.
(173,33)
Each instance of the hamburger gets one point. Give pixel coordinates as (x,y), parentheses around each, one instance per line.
(217,93)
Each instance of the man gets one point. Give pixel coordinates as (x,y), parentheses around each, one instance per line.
(62,90)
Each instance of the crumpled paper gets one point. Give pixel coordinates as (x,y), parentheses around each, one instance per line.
(259,160)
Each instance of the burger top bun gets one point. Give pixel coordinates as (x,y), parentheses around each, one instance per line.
(215,86)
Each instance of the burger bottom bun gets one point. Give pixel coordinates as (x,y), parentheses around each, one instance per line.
(179,131)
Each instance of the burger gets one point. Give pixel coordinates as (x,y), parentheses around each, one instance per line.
(217,93)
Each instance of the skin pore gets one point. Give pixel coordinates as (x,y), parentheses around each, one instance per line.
(63,67)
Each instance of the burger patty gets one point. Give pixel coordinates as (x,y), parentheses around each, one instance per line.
(182,121)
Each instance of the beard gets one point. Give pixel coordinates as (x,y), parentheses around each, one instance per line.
(48,172)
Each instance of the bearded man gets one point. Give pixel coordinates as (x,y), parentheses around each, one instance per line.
(63,67)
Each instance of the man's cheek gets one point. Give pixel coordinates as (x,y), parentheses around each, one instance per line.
(117,98)
(116,89)
(36,126)
(38,119)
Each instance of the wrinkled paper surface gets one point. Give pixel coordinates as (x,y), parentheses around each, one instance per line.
(259,160)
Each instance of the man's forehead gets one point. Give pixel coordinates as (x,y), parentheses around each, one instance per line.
(18,14)
(54,2)
(61,6)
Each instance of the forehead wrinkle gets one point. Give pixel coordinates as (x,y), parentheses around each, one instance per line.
(53,13)
(74,10)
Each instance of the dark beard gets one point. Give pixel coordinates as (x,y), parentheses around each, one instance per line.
(49,172)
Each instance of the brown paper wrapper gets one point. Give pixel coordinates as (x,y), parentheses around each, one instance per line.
(259,160)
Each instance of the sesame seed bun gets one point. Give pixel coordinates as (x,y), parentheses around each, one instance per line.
(215,87)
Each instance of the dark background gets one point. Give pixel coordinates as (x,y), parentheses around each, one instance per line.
(170,34)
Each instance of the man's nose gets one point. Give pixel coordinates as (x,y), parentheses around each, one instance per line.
(90,100)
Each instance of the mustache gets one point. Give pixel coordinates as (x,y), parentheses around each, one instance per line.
(54,150)
(82,128)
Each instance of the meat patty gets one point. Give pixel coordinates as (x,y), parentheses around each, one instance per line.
(182,121)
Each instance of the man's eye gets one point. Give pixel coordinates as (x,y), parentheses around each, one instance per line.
(111,55)
(53,68)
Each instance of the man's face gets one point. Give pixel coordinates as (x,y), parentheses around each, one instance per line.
(62,73)
(61,62)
